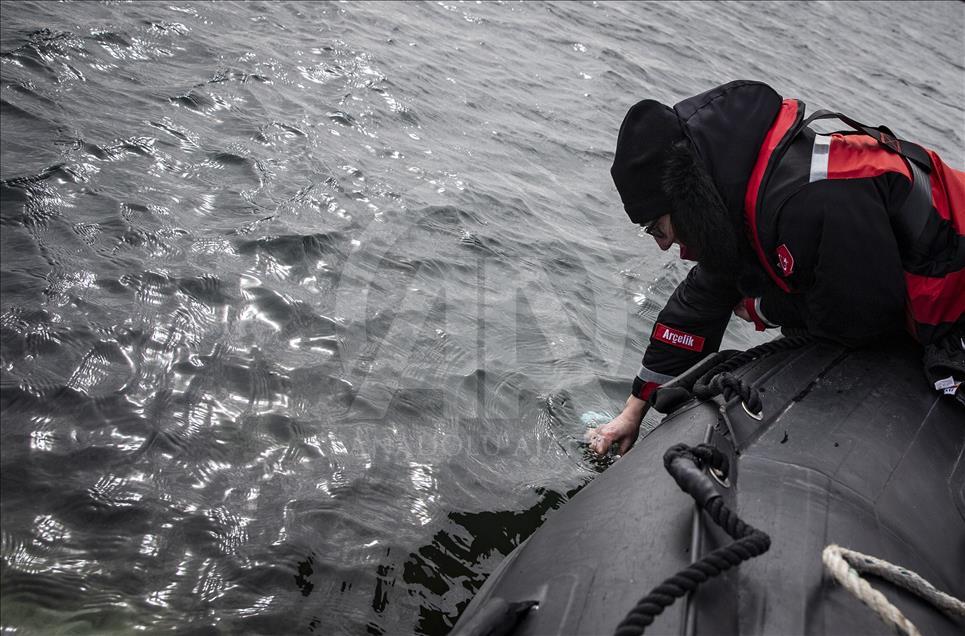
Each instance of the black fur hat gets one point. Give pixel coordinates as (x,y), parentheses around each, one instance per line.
(649,132)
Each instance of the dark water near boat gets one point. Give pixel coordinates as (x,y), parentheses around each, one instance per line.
(305,306)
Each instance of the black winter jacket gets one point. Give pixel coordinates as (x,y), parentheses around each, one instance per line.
(837,250)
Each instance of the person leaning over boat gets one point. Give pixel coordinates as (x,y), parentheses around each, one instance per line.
(792,229)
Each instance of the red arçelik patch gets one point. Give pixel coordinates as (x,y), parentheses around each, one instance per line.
(785,259)
(678,338)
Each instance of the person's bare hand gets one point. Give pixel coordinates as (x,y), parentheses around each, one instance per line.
(622,429)
(741,312)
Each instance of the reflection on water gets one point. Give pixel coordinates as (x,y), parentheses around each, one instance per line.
(303,304)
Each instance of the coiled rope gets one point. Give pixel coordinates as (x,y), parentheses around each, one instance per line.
(845,565)
(719,380)
(685,463)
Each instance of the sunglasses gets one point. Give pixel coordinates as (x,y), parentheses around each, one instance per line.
(652,229)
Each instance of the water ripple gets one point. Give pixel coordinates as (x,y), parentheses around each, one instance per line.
(303,302)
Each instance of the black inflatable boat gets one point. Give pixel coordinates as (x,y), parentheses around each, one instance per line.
(848,447)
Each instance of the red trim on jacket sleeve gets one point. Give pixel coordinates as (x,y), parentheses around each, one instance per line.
(643,390)
(677,338)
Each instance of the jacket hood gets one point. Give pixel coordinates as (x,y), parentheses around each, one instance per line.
(726,126)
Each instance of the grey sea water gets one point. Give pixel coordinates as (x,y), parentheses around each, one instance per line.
(306,305)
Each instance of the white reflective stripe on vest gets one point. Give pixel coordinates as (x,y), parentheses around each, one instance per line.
(819,157)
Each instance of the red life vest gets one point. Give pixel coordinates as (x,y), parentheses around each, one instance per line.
(792,155)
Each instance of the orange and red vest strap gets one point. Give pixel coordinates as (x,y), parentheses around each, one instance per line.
(948,192)
(786,121)
(853,157)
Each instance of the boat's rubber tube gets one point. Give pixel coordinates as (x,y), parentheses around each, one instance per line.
(853,449)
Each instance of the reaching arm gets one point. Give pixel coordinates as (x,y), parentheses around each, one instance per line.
(692,323)
(689,327)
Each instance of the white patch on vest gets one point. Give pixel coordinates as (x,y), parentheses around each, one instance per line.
(947,383)
(819,157)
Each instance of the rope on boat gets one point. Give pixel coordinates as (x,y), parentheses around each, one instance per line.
(685,464)
(845,566)
(720,380)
